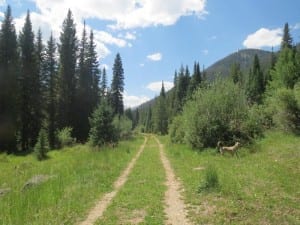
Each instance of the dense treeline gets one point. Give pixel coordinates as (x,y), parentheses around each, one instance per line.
(51,92)
(201,112)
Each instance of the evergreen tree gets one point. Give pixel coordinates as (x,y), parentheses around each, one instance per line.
(236,73)
(256,86)
(67,79)
(30,88)
(285,72)
(9,62)
(103,84)
(93,69)
(195,80)
(181,88)
(50,68)
(117,87)
(102,130)
(287,41)
(148,122)
(161,119)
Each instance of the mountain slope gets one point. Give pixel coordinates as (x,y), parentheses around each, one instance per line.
(243,57)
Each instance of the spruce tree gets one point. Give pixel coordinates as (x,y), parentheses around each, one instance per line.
(287,41)
(93,69)
(236,73)
(103,84)
(255,87)
(50,68)
(67,80)
(117,87)
(9,62)
(161,118)
(30,88)
(195,80)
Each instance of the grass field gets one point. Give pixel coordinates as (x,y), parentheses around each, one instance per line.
(79,177)
(260,187)
(140,201)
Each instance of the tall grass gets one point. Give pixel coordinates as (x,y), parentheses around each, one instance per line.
(79,176)
(261,187)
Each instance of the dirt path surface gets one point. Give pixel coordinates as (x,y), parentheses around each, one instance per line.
(103,203)
(175,207)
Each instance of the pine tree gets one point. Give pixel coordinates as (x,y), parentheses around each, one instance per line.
(102,130)
(67,79)
(83,93)
(182,88)
(161,118)
(30,97)
(287,41)
(9,62)
(50,69)
(256,86)
(93,68)
(285,72)
(236,73)
(103,84)
(117,87)
(195,80)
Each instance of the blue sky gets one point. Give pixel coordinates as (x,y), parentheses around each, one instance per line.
(155,37)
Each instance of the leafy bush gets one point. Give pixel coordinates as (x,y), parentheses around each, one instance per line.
(42,145)
(211,181)
(219,112)
(176,130)
(123,126)
(287,114)
(64,137)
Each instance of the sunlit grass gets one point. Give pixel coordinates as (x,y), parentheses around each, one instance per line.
(140,201)
(79,176)
(262,187)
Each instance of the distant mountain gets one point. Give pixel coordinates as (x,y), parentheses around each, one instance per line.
(243,57)
(222,67)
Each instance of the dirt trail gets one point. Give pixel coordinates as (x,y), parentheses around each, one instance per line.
(175,207)
(103,203)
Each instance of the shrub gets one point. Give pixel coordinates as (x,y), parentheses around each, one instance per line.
(42,145)
(123,126)
(211,180)
(287,116)
(64,137)
(176,130)
(219,112)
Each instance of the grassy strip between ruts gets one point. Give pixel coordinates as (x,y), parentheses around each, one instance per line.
(141,199)
(79,177)
(260,187)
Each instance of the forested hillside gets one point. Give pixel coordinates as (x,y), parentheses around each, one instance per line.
(236,99)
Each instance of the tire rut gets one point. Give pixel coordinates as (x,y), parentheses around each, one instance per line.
(175,208)
(103,203)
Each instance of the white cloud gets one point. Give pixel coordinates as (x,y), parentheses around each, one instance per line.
(131,101)
(1,15)
(156,86)
(130,36)
(126,14)
(142,64)
(155,56)
(264,38)
(2,2)
(205,52)
(296,26)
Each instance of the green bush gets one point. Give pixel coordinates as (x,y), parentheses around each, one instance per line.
(211,180)
(42,145)
(218,112)
(123,126)
(176,130)
(64,137)
(287,114)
